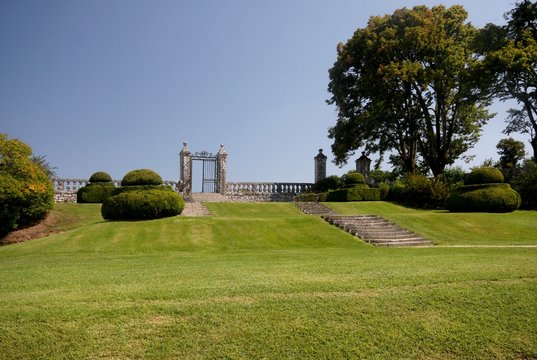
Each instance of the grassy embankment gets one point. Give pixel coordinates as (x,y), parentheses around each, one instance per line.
(265,281)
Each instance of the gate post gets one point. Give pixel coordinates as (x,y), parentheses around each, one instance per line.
(185,159)
(221,169)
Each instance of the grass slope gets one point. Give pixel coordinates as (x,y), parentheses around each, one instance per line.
(445,228)
(259,281)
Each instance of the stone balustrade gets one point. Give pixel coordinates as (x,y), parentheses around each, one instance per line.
(264,188)
(65,189)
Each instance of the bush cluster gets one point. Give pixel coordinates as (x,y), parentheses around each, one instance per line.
(419,191)
(328,183)
(483,198)
(354,179)
(142,197)
(143,204)
(26,192)
(98,190)
(491,195)
(525,183)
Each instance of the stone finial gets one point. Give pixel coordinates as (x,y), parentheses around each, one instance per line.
(222,151)
(185,146)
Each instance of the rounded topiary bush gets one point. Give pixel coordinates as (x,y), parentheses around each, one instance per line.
(484,175)
(483,198)
(99,189)
(141,177)
(143,204)
(484,191)
(354,179)
(100,177)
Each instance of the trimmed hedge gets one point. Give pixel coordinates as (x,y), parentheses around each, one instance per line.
(95,192)
(138,204)
(141,177)
(354,194)
(483,198)
(484,175)
(100,177)
(353,179)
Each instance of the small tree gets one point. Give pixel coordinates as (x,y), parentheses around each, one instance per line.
(26,192)
(511,151)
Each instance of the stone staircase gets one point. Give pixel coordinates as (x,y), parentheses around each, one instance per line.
(313,208)
(376,230)
(371,228)
(195,207)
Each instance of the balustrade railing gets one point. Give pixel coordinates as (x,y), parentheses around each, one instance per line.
(265,188)
(73,185)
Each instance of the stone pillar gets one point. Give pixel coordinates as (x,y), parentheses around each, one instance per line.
(320,166)
(363,165)
(185,159)
(221,170)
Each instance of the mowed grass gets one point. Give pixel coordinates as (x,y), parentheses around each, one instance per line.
(445,228)
(259,281)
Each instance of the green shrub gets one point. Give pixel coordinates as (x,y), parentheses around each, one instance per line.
(141,177)
(308,197)
(337,195)
(354,194)
(384,189)
(419,191)
(329,183)
(484,175)
(95,192)
(143,204)
(353,179)
(483,198)
(100,177)
(26,192)
(525,183)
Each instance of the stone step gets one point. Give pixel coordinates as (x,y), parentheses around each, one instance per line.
(376,230)
(195,209)
(313,208)
(208,197)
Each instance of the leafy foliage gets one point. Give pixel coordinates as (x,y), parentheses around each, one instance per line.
(511,60)
(329,183)
(525,183)
(353,179)
(95,192)
(483,198)
(407,83)
(143,204)
(484,175)
(141,177)
(100,177)
(26,192)
(419,191)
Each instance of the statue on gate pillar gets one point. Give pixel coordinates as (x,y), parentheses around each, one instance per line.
(185,159)
(320,166)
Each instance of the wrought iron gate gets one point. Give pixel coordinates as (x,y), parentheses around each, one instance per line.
(209,177)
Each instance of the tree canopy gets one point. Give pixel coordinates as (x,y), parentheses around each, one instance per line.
(406,83)
(511,59)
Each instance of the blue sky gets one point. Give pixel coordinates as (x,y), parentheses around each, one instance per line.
(116,85)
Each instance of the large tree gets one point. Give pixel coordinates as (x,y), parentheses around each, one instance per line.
(407,83)
(512,60)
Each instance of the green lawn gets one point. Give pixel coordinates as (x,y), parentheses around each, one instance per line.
(262,281)
(445,228)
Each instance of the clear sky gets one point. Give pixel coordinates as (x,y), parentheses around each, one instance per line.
(117,85)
